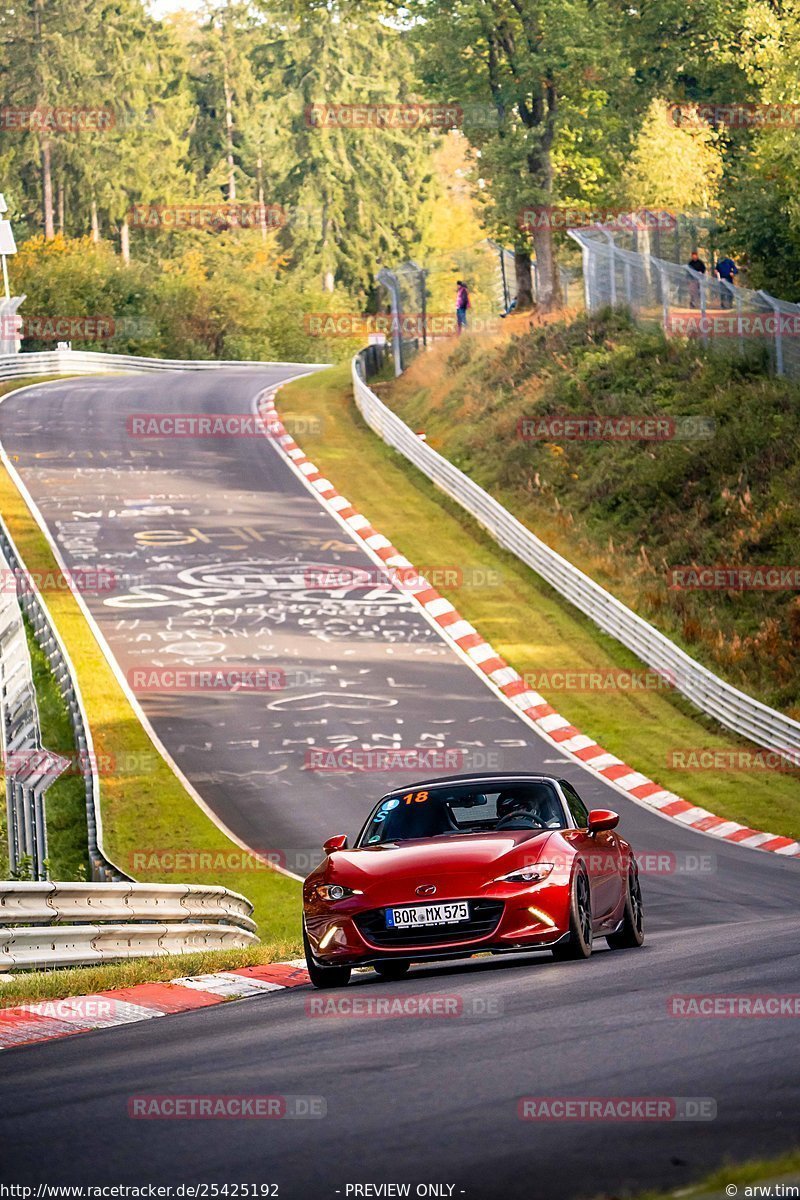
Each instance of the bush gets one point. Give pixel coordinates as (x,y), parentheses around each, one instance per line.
(223,296)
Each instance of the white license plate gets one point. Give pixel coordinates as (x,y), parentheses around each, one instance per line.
(427,914)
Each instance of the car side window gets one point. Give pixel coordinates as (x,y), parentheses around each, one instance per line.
(580,813)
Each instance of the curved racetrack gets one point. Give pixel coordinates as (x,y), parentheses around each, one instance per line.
(213,545)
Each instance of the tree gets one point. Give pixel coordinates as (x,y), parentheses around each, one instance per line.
(51,47)
(675,166)
(352,194)
(515,66)
(143,158)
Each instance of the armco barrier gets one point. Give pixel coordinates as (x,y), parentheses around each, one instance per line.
(712,695)
(28,769)
(38,903)
(61,924)
(90,362)
(46,634)
(82,945)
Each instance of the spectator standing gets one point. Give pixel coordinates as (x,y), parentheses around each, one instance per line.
(462,304)
(697,265)
(726,269)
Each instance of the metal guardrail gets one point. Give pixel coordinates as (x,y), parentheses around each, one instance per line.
(47,637)
(70,924)
(24,903)
(83,945)
(730,707)
(89,362)
(683,301)
(28,768)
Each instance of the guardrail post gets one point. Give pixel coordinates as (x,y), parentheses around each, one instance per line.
(739,323)
(612,266)
(389,281)
(664,282)
(772,302)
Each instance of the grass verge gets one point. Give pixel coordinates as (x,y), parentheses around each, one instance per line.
(144,804)
(86,981)
(65,802)
(785,1169)
(523,618)
(718,490)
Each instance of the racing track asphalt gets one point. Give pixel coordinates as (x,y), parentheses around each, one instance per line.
(421,1100)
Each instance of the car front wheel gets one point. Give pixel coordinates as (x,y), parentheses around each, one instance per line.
(324,977)
(631,933)
(579,943)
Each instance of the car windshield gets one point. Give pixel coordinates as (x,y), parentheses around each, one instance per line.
(439,811)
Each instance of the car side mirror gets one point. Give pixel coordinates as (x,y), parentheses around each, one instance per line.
(337,842)
(602,818)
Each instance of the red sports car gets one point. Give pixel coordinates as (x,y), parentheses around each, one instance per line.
(450,867)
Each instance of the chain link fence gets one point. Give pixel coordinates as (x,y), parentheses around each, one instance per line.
(623,269)
(418,303)
(507,281)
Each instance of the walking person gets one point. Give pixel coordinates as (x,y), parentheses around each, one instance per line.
(726,269)
(697,265)
(462,304)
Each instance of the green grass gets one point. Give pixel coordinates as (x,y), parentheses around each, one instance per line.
(65,802)
(144,804)
(763,1171)
(82,981)
(629,511)
(523,618)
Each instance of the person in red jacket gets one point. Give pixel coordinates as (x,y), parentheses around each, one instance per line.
(462,304)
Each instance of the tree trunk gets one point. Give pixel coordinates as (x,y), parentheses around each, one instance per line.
(548,280)
(125,241)
(262,212)
(229,137)
(61,206)
(95,222)
(522,272)
(47,192)
(540,170)
(327,274)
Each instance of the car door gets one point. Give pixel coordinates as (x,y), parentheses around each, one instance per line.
(601,853)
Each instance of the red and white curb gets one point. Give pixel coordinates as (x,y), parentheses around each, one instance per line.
(47,1019)
(496,671)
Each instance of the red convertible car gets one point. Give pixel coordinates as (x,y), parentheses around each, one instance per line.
(453,867)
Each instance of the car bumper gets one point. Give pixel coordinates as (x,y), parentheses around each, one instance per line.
(526,922)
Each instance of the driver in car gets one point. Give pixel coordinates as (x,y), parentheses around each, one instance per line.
(515,811)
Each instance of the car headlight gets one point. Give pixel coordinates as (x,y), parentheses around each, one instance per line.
(335,891)
(532,874)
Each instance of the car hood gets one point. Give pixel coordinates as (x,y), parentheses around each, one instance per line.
(448,855)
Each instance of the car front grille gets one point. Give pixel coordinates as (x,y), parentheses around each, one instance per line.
(484,919)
